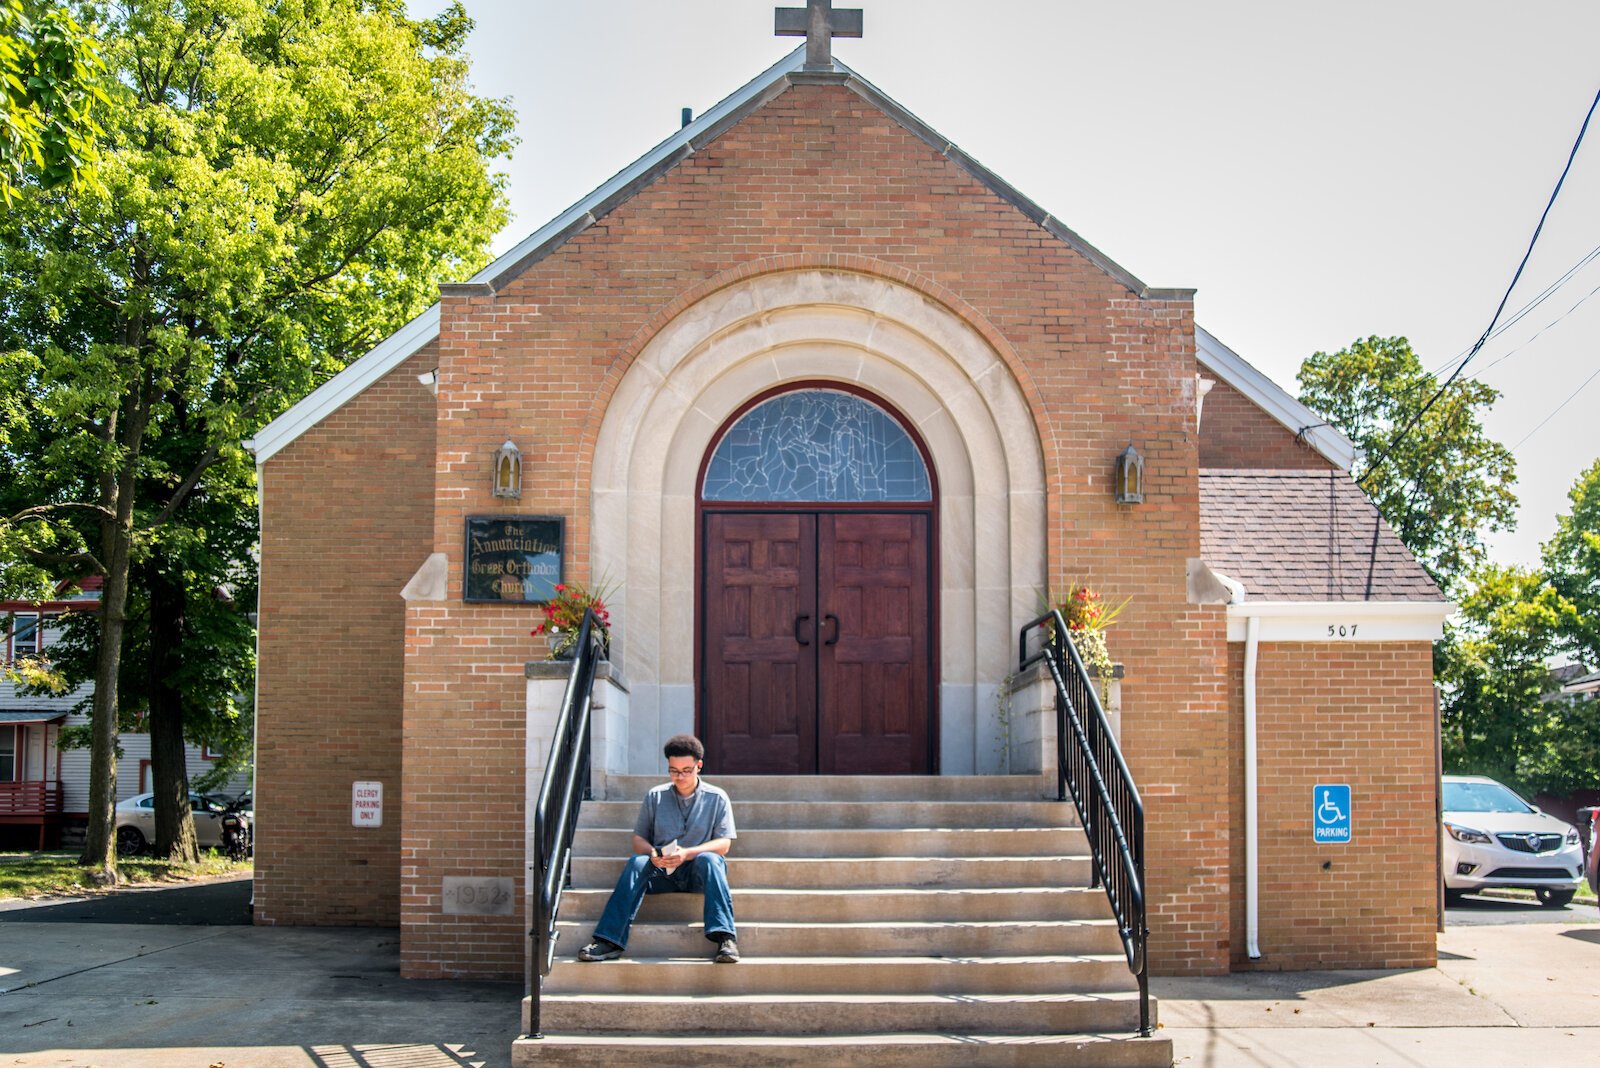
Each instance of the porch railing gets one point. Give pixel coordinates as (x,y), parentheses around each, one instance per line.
(34,798)
(1090,767)
(555,818)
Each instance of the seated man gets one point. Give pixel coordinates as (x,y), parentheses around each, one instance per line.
(684,829)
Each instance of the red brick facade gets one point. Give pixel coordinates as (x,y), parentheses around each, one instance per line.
(346,512)
(1235,432)
(816,178)
(1351,714)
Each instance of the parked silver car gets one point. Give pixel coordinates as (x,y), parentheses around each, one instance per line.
(136,821)
(1492,838)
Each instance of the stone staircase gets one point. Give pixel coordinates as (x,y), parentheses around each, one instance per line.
(920,922)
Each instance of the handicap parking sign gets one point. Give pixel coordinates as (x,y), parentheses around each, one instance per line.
(1330,812)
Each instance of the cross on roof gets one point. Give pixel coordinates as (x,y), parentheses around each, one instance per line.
(818,23)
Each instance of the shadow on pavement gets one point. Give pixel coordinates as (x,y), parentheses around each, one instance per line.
(1587,935)
(224,903)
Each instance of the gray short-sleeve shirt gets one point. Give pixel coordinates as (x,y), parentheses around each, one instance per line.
(665,817)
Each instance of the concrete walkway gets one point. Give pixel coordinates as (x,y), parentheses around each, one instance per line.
(140,995)
(1514,993)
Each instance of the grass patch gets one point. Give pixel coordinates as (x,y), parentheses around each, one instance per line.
(1585,895)
(53,874)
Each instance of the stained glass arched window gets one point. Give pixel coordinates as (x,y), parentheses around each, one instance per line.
(821,445)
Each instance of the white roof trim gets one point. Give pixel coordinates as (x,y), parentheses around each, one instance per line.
(389,353)
(1275,400)
(1339,622)
(681,138)
(344,386)
(393,350)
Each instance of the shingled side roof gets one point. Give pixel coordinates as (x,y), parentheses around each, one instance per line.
(1305,536)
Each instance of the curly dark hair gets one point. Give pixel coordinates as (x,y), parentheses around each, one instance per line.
(684,745)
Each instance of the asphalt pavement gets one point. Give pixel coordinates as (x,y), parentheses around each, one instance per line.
(134,980)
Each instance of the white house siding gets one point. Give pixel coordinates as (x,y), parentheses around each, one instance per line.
(75,762)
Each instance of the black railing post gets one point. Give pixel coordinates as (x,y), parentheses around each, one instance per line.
(1090,767)
(562,791)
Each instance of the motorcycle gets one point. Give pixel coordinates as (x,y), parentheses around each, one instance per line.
(237,838)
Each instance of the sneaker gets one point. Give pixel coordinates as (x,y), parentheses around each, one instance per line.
(600,949)
(727,952)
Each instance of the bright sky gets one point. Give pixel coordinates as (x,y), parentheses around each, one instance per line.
(1319,174)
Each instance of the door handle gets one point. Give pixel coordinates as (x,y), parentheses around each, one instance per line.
(798,620)
(833,640)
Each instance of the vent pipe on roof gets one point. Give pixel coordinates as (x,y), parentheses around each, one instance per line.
(688,117)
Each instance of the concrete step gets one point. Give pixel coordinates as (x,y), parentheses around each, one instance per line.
(851,787)
(797,815)
(890,939)
(858,905)
(1039,973)
(916,1050)
(887,872)
(838,1014)
(877,842)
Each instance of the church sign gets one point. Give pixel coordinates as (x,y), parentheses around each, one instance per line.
(513,559)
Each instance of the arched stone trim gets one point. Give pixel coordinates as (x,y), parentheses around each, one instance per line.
(777,328)
(873,268)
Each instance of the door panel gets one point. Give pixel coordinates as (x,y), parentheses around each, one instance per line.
(759,693)
(873,663)
(817,643)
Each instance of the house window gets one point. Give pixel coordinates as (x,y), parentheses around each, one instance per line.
(24,635)
(8,753)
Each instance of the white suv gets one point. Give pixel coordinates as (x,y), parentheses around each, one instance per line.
(1492,837)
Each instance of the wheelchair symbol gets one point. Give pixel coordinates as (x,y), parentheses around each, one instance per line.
(1328,812)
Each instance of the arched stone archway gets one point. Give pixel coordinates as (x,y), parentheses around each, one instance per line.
(820,325)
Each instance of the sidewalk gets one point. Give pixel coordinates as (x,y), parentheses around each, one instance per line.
(1502,994)
(138,995)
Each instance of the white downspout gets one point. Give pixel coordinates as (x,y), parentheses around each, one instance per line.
(1252,845)
(1252,841)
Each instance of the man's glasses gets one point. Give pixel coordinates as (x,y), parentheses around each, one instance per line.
(680,772)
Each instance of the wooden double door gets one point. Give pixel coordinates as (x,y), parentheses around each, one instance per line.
(816,643)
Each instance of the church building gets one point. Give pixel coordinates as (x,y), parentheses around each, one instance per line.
(834,410)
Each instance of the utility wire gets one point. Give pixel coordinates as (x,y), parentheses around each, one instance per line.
(1414,420)
(1522,313)
(1480,372)
(1570,398)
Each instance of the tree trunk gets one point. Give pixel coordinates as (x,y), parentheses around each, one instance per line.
(100,843)
(116,549)
(175,834)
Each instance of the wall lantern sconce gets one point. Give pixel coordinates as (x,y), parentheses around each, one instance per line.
(507,471)
(1129,483)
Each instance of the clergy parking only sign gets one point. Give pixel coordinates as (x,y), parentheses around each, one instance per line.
(1330,812)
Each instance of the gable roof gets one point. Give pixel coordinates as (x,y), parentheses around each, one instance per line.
(1305,536)
(1274,400)
(680,145)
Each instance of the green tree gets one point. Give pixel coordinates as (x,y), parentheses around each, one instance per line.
(1495,673)
(49,85)
(1442,486)
(1572,559)
(284,182)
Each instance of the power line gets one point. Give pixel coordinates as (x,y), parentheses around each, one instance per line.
(1537,230)
(1542,331)
(1570,398)
(1521,313)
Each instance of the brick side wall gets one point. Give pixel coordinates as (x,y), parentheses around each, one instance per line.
(465,717)
(347,523)
(1235,432)
(818,178)
(1360,714)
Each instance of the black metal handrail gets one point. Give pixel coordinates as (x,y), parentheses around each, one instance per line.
(555,815)
(1089,764)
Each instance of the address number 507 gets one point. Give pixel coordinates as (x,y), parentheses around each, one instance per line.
(1342,630)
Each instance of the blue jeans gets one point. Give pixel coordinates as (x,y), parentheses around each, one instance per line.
(706,873)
